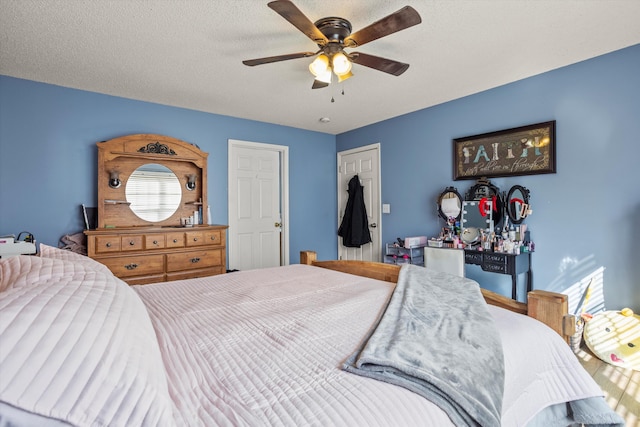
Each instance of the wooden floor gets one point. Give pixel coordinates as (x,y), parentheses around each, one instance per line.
(621,386)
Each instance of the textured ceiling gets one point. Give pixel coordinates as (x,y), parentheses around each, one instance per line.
(188,53)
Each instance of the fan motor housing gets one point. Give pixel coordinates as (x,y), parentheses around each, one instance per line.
(335,29)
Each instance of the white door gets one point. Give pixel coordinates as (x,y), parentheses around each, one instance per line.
(257,193)
(365,162)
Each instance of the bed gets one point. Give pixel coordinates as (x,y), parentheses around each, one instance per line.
(251,348)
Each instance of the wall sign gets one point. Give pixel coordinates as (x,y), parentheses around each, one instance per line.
(526,150)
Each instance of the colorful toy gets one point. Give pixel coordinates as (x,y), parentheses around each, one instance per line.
(614,336)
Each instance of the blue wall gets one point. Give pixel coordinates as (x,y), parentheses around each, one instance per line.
(586,217)
(585,221)
(48,159)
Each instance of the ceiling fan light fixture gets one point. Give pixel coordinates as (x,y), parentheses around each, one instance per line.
(341,64)
(325,77)
(345,76)
(320,65)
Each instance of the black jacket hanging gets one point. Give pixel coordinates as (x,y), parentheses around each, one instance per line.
(354,229)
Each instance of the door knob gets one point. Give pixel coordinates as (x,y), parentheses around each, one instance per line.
(373,225)
(277,224)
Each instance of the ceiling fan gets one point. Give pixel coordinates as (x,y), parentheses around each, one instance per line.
(333,36)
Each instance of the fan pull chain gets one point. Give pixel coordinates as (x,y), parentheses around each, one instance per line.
(341,93)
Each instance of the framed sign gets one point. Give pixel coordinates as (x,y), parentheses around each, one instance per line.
(526,150)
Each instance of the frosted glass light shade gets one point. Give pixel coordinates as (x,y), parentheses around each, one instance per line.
(345,76)
(320,65)
(325,77)
(341,64)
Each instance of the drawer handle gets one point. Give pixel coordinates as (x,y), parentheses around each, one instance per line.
(155,242)
(175,240)
(108,245)
(131,266)
(213,237)
(132,243)
(194,260)
(195,239)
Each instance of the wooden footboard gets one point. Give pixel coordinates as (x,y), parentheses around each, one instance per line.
(550,308)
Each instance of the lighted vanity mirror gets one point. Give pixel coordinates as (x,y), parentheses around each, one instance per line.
(154,192)
(476,215)
(484,190)
(450,204)
(517,203)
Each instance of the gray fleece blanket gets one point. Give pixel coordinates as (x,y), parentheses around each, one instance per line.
(437,338)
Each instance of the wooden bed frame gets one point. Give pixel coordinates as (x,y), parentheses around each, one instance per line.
(550,308)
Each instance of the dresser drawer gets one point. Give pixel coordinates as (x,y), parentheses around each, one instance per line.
(131,242)
(127,266)
(208,237)
(107,244)
(194,238)
(496,268)
(192,274)
(154,241)
(495,258)
(175,240)
(213,237)
(194,260)
(473,258)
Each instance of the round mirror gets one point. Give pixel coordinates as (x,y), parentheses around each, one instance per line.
(153,192)
(517,203)
(450,204)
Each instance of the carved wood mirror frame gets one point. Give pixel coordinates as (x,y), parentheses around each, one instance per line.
(118,158)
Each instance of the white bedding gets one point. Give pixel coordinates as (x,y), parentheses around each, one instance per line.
(76,347)
(264,347)
(254,348)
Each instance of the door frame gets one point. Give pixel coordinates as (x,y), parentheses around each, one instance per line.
(284,191)
(378,229)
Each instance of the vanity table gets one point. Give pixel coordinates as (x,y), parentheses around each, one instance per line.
(503,263)
(152,211)
(483,208)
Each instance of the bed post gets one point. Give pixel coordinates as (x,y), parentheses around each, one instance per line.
(550,308)
(308,257)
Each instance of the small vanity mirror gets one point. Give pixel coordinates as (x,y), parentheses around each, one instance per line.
(517,204)
(450,205)
(484,190)
(154,192)
(476,215)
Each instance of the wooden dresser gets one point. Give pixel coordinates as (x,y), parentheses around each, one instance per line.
(149,186)
(148,255)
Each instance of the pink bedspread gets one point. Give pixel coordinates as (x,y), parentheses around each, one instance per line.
(264,347)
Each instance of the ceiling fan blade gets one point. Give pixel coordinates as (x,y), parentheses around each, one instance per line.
(381,64)
(291,13)
(269,59)
(400,20)
(317,84)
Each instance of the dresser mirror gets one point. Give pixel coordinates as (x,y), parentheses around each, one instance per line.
(150,180)
(450,205)
(153,192)
(517,200)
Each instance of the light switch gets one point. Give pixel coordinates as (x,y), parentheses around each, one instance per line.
(386,208)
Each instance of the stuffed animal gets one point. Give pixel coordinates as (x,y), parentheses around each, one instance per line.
(614,336)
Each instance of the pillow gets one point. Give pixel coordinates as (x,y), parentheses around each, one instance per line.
(78,346)
(57,253)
